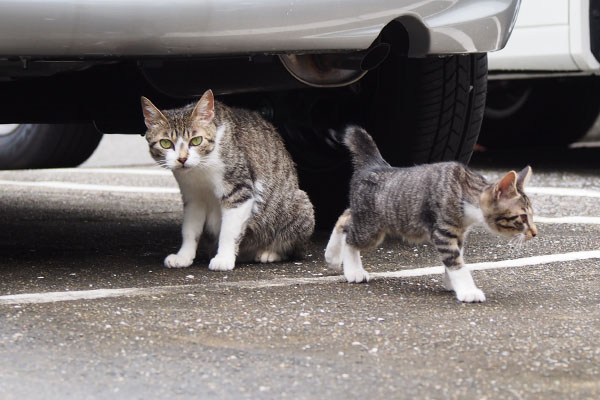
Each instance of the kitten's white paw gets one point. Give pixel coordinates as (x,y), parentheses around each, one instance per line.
(333,252)
(268,257)
(356,275)
(333,259)
(446,283)
(473,295)
(177,261)
(221,263)
(461,282)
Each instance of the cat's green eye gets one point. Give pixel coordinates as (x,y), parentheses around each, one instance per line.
(196,141)
(166,143)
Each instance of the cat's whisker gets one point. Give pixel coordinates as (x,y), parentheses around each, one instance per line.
(517,241)
(162,164)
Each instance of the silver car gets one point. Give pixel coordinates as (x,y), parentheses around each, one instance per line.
(413,72)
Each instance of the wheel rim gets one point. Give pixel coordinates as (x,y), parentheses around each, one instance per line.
(506,98)
(7,129)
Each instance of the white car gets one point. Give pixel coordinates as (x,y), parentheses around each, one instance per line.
(544,85)
(413,72)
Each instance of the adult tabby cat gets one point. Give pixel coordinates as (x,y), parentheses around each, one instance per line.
(237,181)
(436,203)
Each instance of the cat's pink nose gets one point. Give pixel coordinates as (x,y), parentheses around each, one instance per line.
(182,160)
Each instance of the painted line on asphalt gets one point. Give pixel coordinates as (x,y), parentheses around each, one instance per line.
(51,297)
(554,191)
(562,191)
(91,187)
(574,219)
(122,171)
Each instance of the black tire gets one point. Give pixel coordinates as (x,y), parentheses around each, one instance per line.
(47,145)
(540,112)
(417,110)
(427,110)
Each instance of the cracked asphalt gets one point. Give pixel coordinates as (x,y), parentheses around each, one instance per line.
(289,330)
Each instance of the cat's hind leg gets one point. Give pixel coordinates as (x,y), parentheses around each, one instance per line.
(295,228)
(333,251)
(359,235)
(353,268)
(268,256)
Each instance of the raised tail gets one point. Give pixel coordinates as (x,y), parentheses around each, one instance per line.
(362,147)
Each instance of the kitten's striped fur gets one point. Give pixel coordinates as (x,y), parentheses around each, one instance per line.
(437,203)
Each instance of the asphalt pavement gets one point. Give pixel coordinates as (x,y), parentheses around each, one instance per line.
(88,311)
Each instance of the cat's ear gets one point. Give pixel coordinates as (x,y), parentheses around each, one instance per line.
(205,109)
(152,115)
(523,177)
(506,187)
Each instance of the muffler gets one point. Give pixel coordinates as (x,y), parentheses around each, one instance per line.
(335,69)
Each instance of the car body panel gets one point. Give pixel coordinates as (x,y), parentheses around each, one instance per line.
(109,28)
(549,35)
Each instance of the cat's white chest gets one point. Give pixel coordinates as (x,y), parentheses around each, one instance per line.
(200,183)
(472,215)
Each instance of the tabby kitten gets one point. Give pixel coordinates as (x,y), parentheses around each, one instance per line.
(436,203)
(237,181)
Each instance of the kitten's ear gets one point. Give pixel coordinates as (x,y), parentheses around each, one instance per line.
(523,177)
(506,187)
(152,115)
(205,109)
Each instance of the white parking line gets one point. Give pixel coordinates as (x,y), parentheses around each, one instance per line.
(553,191)
(90,187)
(122,171)
(574,219)
(562,191)
(51,297)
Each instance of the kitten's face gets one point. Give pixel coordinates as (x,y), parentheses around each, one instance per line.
(506,208)
(181,138)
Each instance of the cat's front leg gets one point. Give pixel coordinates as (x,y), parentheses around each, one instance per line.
(233,225)
(194,216)
(457,276)
(461,281)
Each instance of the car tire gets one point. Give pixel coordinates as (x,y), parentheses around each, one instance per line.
(428,110)
(540,112)
(417,110)
(47,145)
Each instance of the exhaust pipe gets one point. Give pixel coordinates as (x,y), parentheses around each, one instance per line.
(334,70)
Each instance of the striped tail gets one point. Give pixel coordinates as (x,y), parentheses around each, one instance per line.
(362,147)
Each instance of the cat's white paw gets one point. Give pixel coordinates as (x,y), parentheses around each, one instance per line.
(333,252)
(333,259)
(356,275)
(268,257)
(461,282)
(473,295)
(177,261)
(446,283)
(221,263)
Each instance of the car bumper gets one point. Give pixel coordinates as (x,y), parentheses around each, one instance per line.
(108,28)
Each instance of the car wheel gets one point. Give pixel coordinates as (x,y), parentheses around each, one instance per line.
(540,112)
(417,110)
(427,110)
(46,145)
